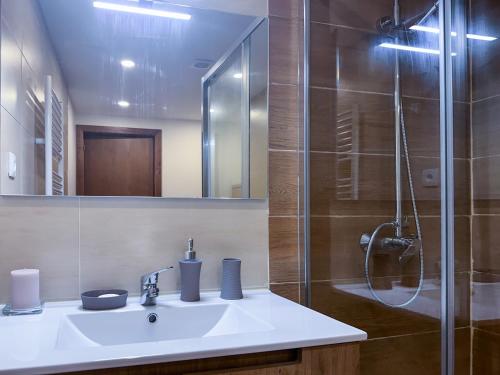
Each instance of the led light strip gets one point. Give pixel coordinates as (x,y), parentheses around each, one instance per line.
(412,49)
(435,30)
(143,11)
(409,48)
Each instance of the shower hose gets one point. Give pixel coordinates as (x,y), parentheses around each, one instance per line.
(394,225)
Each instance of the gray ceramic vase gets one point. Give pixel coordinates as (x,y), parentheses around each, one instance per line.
(231,279)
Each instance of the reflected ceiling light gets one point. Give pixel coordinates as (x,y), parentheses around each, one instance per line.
(140,10)
(409,48)
(481,37)
(123,104)
(212,110)
(427,29)
(128,64)
(435,30)
(412,49)
(238,76)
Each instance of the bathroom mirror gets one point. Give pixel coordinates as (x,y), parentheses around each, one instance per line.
(134,98)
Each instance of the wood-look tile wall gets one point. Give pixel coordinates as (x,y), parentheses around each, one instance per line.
(285,113)
(486,188)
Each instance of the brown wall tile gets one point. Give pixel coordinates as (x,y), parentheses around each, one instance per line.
(286,8)
(336,253)
(486,353)
(373,123)
(351,13)
(369,118)
(348,59)
(374,194)
(289,291)
(284,43)
(339,300)
(486,185)
(283,179)
(335,250)
(423,132)
(283,250)
(283,117)
(413,355)
(485,302)
(375,185)
(351,302)
(485,127)
(485,68)
(485,240)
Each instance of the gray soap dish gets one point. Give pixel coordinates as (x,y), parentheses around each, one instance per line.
(104,299)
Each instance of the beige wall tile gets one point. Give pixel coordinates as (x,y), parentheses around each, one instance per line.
(11,78)
(10,141)
(40,233)
(123,239)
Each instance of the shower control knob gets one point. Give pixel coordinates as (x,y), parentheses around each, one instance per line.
(413,247)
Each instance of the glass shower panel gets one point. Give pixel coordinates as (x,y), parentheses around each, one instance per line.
(462,172)
(484,48)
(358,169)
(225,97)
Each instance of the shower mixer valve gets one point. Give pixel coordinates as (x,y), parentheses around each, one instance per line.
(408,246)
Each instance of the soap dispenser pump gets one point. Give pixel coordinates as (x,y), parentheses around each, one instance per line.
(190,275)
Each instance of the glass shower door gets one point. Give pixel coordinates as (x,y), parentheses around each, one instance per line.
(225,130)
(381,120)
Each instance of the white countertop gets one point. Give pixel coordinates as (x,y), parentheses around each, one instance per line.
(31,344)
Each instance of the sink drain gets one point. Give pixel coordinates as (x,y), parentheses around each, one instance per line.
(152,318)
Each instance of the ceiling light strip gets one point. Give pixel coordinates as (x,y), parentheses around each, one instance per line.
(140,10)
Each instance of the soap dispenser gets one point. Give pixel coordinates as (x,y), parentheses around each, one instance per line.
(190,275)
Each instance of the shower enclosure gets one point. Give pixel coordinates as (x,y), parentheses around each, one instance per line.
(400,187)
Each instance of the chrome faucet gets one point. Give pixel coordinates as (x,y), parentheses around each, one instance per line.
(149,287)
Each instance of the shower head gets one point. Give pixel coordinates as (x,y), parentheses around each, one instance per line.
(420,18)
(387,26)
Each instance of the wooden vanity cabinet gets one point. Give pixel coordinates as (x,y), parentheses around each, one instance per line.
(341,359)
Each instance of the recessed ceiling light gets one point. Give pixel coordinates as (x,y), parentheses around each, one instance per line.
(140,10)
(128,64)
(124,104)
(238,76)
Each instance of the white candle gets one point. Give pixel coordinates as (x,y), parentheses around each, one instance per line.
(25,289)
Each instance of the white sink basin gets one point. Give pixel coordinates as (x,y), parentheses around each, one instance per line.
(65,338)
(172,323)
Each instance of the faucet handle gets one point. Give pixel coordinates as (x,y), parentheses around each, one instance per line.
(152,278)
(412,247)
